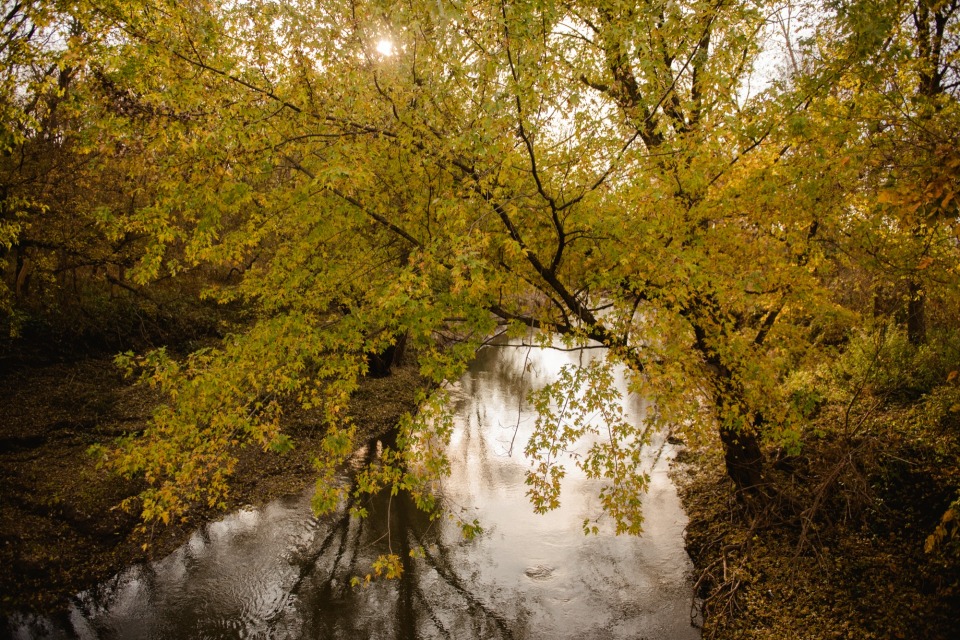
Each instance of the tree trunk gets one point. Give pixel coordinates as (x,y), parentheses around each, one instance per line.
(744,460)
(22,275)
(381,364)
(741,443)
(916,314)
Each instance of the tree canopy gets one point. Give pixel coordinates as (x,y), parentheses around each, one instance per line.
(648,175)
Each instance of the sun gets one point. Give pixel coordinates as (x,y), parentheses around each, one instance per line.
(385,47)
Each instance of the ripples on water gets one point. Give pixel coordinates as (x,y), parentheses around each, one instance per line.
(278,572)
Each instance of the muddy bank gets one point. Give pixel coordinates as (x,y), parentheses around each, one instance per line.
(60,530)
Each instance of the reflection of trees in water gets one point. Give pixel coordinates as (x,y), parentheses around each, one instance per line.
(514,370)
(487,623)
(394,524)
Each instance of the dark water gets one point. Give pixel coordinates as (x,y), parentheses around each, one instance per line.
(278,572)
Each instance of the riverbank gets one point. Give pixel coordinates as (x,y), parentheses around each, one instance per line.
(857,571)
(60,529)
(274,571)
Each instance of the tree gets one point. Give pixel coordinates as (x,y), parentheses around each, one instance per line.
(597,170)
(66,159)
(32,80)
(897,102)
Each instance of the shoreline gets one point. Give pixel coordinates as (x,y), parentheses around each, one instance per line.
(60,535)
(61,532)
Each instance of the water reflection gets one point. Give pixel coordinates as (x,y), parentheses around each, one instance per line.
(278,572)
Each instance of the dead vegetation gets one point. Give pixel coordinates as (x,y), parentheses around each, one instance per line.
(839,552)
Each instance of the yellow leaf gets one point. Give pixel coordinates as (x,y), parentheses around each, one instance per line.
(887,196)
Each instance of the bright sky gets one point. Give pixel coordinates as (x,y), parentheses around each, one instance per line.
(385,47)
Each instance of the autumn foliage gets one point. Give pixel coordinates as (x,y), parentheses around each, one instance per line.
(753,205)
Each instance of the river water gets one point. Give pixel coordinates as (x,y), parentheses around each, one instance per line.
(278,572)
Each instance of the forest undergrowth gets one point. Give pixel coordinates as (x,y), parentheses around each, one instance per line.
(856,536)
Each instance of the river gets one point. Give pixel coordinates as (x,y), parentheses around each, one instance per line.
(278,572)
